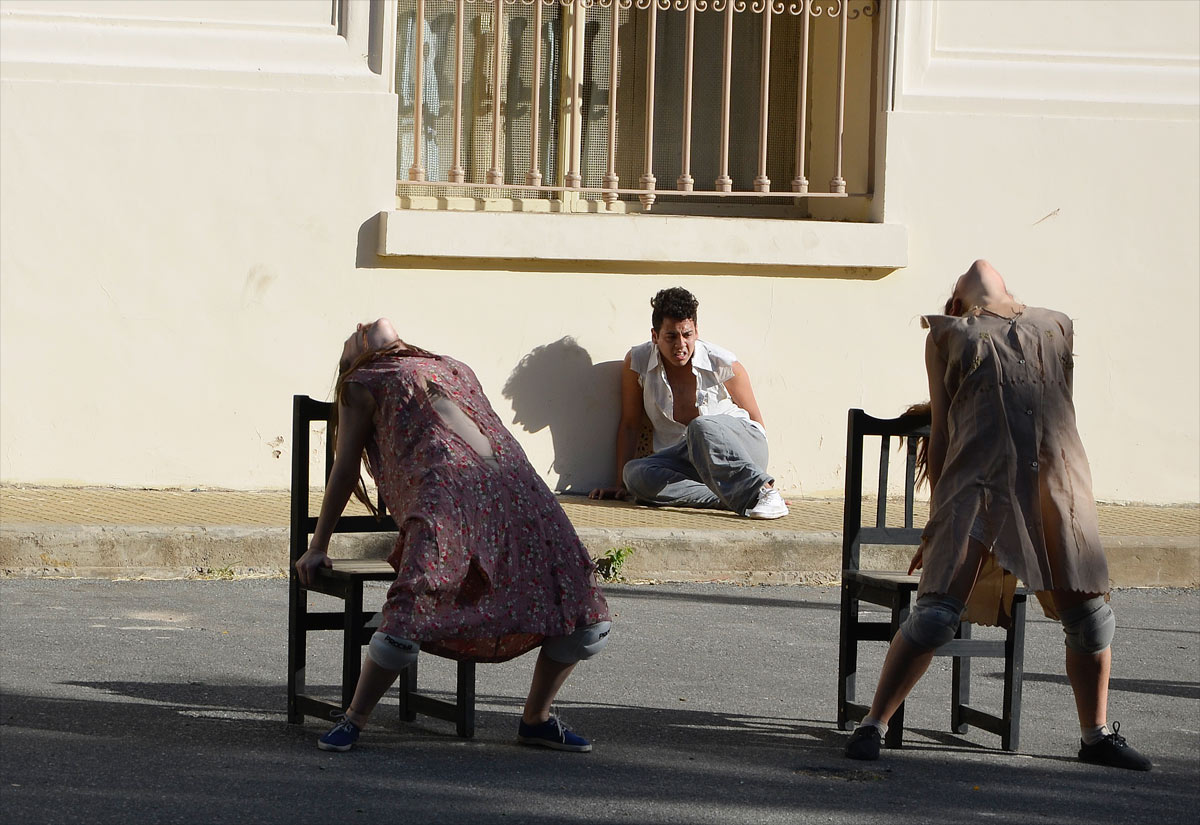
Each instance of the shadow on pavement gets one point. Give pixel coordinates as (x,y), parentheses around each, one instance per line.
(146,748)
(766,600)
(1158,687)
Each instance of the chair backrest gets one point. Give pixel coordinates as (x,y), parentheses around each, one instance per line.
(644,445)
(306,411)
(859,428)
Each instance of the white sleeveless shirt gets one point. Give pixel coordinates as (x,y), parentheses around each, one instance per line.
(712,366)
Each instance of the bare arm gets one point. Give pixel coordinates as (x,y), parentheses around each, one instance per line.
(627,429)
(355,412)
(939,405)
(742,394)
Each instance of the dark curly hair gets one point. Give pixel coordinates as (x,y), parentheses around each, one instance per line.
(676,303)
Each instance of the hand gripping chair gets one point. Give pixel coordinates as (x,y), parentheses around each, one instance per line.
(896,592)
(344,580)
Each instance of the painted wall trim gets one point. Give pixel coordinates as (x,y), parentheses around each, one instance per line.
(624,239)
(151,51)
(935,77)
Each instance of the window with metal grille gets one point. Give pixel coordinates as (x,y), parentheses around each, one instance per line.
(695,106)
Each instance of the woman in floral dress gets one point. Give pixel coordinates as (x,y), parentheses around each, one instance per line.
(487,565)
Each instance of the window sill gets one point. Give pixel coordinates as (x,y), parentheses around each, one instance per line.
(649,243)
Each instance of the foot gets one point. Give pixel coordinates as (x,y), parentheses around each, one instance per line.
(552,734)
(770,505)
(1114,752)
(864,743)
(341,737)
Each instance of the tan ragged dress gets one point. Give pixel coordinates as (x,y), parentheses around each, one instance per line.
(1015,472)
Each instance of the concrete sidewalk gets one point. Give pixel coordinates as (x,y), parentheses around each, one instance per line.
(109,532)
(163,702)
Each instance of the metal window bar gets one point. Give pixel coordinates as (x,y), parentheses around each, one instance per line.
(494,175)
(800,182)
(593,47)
(686,182)
(838,183)
(762,183)
(457,174)
(417,171)
(534,176)
(648,179)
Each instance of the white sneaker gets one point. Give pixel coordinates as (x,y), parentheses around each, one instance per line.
(770,505)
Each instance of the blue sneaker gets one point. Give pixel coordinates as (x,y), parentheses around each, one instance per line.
(341,737)
(552,734)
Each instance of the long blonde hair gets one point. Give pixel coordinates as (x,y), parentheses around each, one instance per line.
(397,349)
(922,408)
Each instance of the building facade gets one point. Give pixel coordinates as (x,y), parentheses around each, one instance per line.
(200,198)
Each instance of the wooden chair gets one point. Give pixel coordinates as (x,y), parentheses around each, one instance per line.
(344,580)
(896,591)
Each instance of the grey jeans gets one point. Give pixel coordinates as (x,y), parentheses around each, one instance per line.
(719,464)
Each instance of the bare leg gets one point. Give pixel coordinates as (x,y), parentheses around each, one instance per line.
(548,677)
(373,682)
(902,669)
(1087,672)
(905,663)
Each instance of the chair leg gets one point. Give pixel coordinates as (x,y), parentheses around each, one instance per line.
(960,684)
(465,716)
(894,738)
(1014,676)
(408,686)
(847,656)
(297,646)
(351,646)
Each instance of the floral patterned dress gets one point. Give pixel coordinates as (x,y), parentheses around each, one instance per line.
(1016,476)
(487,563)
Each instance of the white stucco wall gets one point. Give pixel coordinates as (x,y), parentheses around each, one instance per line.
(186,237)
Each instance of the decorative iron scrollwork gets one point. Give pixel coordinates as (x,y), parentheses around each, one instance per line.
(815,8)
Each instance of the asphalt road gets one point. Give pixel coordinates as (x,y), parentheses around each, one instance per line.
(163,702)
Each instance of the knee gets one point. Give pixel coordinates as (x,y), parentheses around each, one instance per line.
(1089,627)
(700,427)
(631,476)
(932,621)
(706,436)
(392,653)
(584,643)
(634,477)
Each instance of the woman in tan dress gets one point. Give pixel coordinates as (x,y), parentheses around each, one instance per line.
(1011,499)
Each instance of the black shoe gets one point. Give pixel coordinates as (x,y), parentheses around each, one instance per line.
(1114,752)
(864,743)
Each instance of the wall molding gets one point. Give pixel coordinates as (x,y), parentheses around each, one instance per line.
(166,51)
(642,243)
(931,77)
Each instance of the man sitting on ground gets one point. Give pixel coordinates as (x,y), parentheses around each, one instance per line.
(710,445)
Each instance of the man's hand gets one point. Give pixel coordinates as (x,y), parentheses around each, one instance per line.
(601,493)
(308,565)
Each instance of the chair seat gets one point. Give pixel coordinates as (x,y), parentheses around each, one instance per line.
(344,579)
(372,570)
(896,590)
(886,579)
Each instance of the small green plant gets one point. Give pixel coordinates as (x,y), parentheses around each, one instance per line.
(216,573)
(609,565)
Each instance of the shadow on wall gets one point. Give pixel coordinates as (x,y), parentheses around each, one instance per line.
(557,386)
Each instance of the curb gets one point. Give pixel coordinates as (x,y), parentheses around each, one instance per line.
(660,554)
